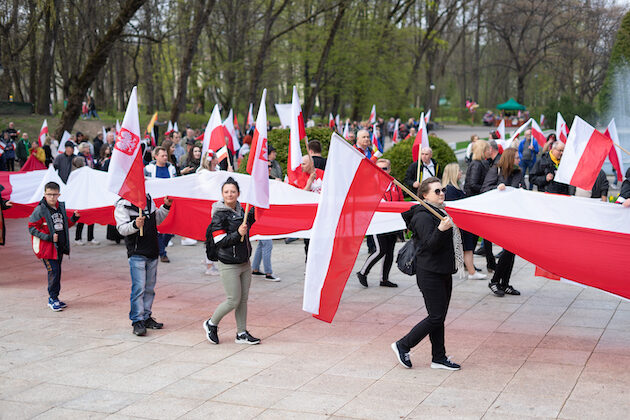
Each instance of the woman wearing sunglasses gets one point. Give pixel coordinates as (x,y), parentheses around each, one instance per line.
(435,265)
(506,173)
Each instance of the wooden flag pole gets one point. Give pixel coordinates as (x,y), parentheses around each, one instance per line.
(419,200)
(245,220)
(621,148)
(419,166)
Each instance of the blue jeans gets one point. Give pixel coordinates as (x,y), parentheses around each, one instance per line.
(163,239)
(263,250)
(53,267)
(143,277)
(525,165)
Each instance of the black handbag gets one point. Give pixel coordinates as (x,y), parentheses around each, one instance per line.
(406,259)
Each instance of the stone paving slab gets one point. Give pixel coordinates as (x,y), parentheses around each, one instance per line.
(556,351)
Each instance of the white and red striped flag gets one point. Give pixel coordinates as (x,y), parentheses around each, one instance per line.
(126,171)
(542,120)
(501,140)
(296,134)
(43,132)
(62,144)
(169,129)
(562,130)
(352,189)
(583,157)
(250,115)
(615,156)
(427,117)
(537,133)
(257,163)
(331,121)
(346,130)
(117,128)
(421,141)
(214,136)
(2,146)
(233,143)
(396,129)
(519,131)
(373,114)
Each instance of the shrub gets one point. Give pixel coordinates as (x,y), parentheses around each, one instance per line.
(401,157)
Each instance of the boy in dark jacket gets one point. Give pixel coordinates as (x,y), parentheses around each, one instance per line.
(48,224)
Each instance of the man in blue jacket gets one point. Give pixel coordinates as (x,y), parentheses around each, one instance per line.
(527,151)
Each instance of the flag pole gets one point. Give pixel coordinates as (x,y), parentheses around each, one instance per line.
(418,170)
(622,149)
(245,219)
(419,200)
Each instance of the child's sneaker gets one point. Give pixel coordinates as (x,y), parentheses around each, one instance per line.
(62,304)
(54,305)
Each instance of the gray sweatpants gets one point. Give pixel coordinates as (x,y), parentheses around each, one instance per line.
(236,280)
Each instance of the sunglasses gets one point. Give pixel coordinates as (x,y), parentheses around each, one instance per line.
(438,191)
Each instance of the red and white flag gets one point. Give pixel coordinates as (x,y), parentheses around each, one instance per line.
(396,128)
(233,143)
(352,189)
(373,114)
(2,146)
(235,122)
(542,120)
(62,144)
(421,141)
(615,156)
(562,130)
(126,171)
(44,132)
(250,115)
(519,131)
(117,128)
(296,134)
(501,140)
(257,163)
(346,130)
(537,133)
(427,117)
(175,127)
(331,121)
(337,124)
(583,157)
(222,153)
(169,129)
(214,136)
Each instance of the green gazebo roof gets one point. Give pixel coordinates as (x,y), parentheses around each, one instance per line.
(511,105)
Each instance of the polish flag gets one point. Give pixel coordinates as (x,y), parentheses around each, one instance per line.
(519,131)
(542,120)
(427,117)
(615,156)
(331,121)
(373,114)
(376,147)
(250,115)
(296,134)
(2,146)
(501,141)
(346,130)
(222,153)
(43,132)
(235,121)
(175,127)
(395,135)
(233,144)
(117,128)
(126,171)
(421,141)
(257,164)
(351,191)
(337,121)
(537,133)
(562,130)
(62,144)
(583,157)
(214,136)
(169,129)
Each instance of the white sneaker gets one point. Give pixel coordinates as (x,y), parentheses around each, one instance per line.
(477,276)
(170,243)
(94,242)
(79,242)
(212,271)
(188,242)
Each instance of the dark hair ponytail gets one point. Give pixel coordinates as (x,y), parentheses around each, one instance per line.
(231,180)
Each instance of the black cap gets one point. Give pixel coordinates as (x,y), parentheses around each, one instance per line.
(69,144)
(270,148)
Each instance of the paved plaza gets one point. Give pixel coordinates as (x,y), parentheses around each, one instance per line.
(556,351)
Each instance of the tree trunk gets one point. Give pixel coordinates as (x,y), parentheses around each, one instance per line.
(96,60)
(46,61)
(203,9)
(520,88)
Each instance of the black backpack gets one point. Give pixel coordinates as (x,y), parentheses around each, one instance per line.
(407,257)
(211,248)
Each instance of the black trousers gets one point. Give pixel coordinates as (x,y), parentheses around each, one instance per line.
(491,263)
(504,269)
(53,267)
(370,244)
(79,232)
(436,290)
(385,244)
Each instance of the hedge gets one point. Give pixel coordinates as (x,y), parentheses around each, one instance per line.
(401,158)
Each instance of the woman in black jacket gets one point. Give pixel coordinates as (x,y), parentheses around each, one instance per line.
(435,264)
(230,234)
(506,173)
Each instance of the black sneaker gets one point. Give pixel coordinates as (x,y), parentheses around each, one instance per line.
(403,357)
(480,251)
(509,290)
(246,338)
(445,364)
(257,273)
(153,324)
(388,283)
(362,279)
(138,328)
(496,290)
(212,332)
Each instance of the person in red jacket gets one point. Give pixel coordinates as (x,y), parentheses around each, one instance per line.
(48,224)
(385,242)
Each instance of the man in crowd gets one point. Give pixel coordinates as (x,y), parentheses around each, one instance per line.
(527,151)
(545,171)
(179,149)
(428,168)
(315,152)
(142,251)
(364,144)
(63,161)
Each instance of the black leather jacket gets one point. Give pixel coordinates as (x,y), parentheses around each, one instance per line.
(224,227)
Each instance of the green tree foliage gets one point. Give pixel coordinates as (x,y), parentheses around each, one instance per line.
(401,157)
(619,57)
